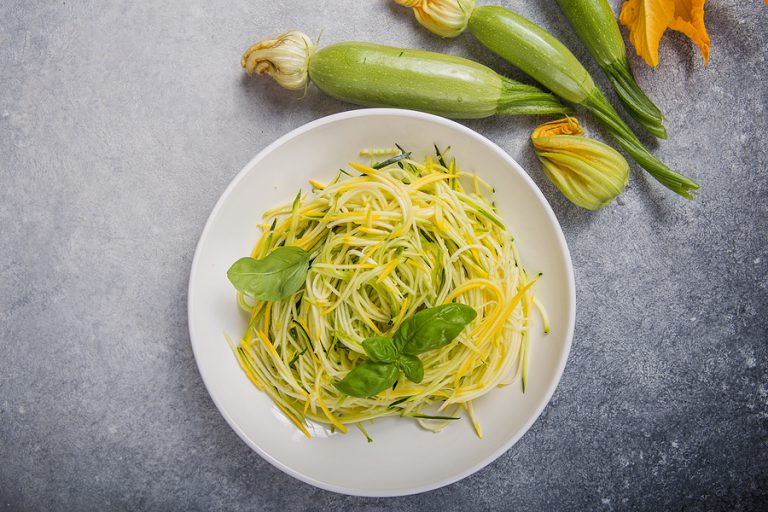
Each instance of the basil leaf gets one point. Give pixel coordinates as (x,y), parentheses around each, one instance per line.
(433,328)
(412,367)
(368,379)
(278,275)
(380,349)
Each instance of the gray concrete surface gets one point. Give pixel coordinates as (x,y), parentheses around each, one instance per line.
(122,122)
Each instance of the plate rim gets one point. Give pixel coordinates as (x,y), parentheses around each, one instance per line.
(570,285)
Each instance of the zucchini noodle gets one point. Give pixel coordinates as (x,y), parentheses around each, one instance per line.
(385,243)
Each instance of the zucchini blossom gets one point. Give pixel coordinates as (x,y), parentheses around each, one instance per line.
(285,58)
(446,18)
(589,173)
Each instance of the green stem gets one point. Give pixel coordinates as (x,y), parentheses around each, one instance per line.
(600,108)
(639,105)
(518,98)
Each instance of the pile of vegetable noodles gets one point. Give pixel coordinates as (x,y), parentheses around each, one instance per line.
(397,267)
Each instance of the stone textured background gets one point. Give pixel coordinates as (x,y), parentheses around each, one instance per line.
(122,122)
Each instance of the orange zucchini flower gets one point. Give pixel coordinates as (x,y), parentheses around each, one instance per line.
(647,20)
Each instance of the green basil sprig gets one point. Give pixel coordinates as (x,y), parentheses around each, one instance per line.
(429,329)
(278,275)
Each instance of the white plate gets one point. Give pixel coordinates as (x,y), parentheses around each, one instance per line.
(403,459)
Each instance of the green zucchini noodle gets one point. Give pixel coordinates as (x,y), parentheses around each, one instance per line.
(385,242)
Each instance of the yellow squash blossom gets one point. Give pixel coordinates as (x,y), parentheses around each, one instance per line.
(647,20)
